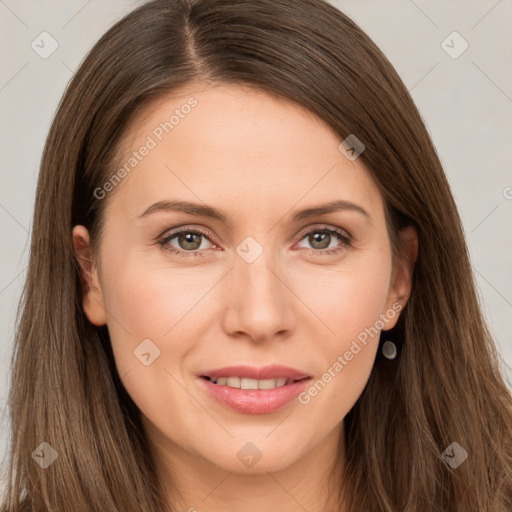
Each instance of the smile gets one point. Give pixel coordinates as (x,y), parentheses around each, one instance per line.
(252,390)
(246,383)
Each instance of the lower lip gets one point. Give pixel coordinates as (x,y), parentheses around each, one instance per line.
(254,401)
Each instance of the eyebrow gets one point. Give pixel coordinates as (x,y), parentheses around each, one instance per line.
(203,210)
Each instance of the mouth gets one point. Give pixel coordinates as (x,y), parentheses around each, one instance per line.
(247,383)
(251,390)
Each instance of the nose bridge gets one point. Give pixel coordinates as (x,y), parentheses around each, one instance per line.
(252,269)
(260,301)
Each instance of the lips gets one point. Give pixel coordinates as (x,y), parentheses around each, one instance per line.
(253,390)
(263,373)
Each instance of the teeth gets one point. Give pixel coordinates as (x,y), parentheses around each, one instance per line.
(233,382)
(248,383)
(244,383)
(270,383)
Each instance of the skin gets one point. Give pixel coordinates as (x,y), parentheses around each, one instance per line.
(259,159)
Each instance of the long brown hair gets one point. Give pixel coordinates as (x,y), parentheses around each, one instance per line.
(446,385)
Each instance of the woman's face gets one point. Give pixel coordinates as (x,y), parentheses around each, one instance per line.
(212,256)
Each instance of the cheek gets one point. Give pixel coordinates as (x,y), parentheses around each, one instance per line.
(346,298)
(145,302)
(153,326)
(349,302)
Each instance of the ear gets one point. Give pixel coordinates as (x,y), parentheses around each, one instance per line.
(93,301)
(401,278)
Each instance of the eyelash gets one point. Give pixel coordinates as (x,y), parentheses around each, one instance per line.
(345,238)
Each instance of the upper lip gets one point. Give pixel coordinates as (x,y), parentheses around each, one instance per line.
(251,372)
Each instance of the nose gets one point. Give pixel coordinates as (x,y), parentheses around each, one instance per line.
(259,301)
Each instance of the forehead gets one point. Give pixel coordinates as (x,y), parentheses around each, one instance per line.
(233,144)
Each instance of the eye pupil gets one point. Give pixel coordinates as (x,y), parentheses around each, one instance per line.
(320,237)
(186,243)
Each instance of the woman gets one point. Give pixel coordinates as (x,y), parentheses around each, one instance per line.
(181,348)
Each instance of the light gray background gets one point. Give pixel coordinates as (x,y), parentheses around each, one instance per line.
(466,103)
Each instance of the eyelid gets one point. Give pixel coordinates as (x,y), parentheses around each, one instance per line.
(345,237)
(190,227)
(327,227)
(169,233)
(164,240)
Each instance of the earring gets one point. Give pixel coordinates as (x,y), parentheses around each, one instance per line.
(390,344)
(389,350)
